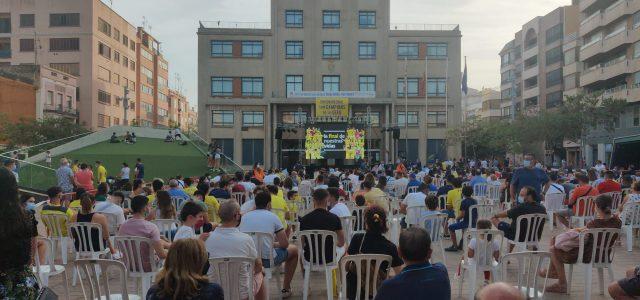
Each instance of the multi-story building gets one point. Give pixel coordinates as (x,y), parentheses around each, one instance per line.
(178,110)
(249,80)
(481,104)
(532,63)
(192,119)
(471,104)
(86,39)
(153,94)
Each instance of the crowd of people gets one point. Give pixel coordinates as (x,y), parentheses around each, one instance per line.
(218,216)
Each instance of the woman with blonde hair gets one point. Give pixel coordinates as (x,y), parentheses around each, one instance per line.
(181,277)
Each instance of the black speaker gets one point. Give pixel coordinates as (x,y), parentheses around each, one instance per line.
(278,133)
(396,133)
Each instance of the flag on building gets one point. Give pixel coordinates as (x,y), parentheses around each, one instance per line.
(465,87)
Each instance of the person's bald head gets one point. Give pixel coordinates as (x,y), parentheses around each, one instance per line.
(499,291)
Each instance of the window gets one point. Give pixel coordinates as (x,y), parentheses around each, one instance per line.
(554,55)
(294,49)
(367,19)
(570,57)
(5,23)
(125,61)
(226,145)
(437,50)
(373,117)
(221,118)
(64,44)
(294,117)
(436,87)
(367,50)
(331,18)
(636,79)
(104,74)
(636,20)
(71,68)
(251,48)
(146,107)
(330,83)
(221,86)
(162,112)
(436,150)
(636,50)
(5,47)
(132,45)
(132,64)
(148,74)
(252,118)
(530,83)
(104,121)
(116,79)
(331,50)
(531,62)
(293,18)
(116,56)
(221,48)
(636,116)
(64,20)
(252,86)
(412,118)
(554,99)
(408,50)
(410,146)
(104,50)
(26,45)
(50,97)
(163,65)
(27,20)
(533,101)
(554,33)
(125,40)
(436,119)
(104,27)
(412,87)
(554,77)
(116,34)
(252,151)
(293,83)
(162,82)
(367,83)
(104,97)
(146,54)
(146,89)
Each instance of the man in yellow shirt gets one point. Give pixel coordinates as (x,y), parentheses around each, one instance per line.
(375,196)
(454,197)
(102,172)
(189,188)
(55,208)
(278,205)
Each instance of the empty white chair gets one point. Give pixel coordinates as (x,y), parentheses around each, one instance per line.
(57,225)
(316,241)
(85,244)
(265,238)
(553,202)
(138,257)
(359,221)
(49,268)
(483,259)
(601,257)
(413,215)
(367,265)
(585,211)
(96,273)
(480,190)
(630,221)
(528,281)
(224,271)
(167,227)
(347,226)
(434,225)
(493,192)
(482,211)
(533,226)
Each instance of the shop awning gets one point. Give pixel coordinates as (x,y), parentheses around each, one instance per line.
(627,139)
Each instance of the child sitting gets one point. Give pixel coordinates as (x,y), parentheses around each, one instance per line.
(473,244)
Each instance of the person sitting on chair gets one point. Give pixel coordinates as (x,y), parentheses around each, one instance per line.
(114,139)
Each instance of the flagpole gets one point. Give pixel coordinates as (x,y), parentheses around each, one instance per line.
(446,95)
(426,104)
(406,114)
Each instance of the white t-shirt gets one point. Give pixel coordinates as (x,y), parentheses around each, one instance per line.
(125,172)
(268,180)
(479,255)
(108,207)
(555,188)
(247,206)
(340,210)
(248,186)
(229,242)
(354,181)
(261,220)
(48,159)
(414,200)
(321,186)
(184,232)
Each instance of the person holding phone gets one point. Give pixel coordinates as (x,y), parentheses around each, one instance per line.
(191,215)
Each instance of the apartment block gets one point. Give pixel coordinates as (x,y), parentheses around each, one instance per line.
(179,111)
(481,104)
(87,39)
(249,76)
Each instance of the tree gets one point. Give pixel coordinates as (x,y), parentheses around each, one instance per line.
(28,132)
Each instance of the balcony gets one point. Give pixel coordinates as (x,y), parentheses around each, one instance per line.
(531,92)
(591,23)
(584,4)
(615,68)
(615,41)
(590,76)
(62,111)
(634,93)
(532,51)
(591,49)
(619,92)
(615,11)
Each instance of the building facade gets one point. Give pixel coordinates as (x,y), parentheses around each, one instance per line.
(245,78)
(179,111)
(89,40)
(481,104)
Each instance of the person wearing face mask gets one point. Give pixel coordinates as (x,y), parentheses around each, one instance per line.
(528,175)
(530,205)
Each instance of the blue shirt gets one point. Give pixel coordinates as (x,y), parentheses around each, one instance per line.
(413,182)
(140,167)
(443,190)
(65,175)
(464,206)
(529,177)
(178,193)
(416,282)
(220,194)
(477,179)
(207,291)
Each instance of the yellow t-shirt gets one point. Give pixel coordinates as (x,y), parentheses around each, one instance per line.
(378,197)
(278,202)
(212,208)
(190,190)
(454,198)
(74,168)
(75,204)
(49,209)
(102,174)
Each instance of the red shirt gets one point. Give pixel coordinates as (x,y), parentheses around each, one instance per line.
(85,179)
(608,186)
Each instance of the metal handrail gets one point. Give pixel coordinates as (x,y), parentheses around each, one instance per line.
(45,143)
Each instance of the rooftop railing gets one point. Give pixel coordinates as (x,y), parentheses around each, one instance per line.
(235,25)
(417,26)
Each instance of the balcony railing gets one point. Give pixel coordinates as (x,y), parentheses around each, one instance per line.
(58,109)
(416,26)
(235,25)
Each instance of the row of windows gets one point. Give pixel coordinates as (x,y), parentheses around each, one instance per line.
(105,51)
(29,21)
(105,27)
(250,86)
(225,49)
(330,19)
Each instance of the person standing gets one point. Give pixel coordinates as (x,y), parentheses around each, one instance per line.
(125,172)
(64,175)
(139,170)
(84,177)
(102,172)
(48,158)
(528,175)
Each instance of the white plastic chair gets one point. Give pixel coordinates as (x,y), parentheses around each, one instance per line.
(617,200)
(442,202)
(346,185)
(412,189)
(482,211)
(493,192)
(553,202)
(316,241)
(585,211)
(480,190)
(166,227)
(112,221)
(96,273)
(601,257)
(436,230)
(347,226)
(359,221)
(55,225)
(50,268)
(368,265)
(240,197)
(482,260)
(534,224)
(82,235)
(178,202)
(265,238)
(224,271)
(133,249)
(630,221)
(529,262)
(413,215)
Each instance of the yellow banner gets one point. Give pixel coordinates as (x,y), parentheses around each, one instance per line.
(332,107)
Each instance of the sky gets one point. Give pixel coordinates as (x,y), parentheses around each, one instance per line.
(486,25)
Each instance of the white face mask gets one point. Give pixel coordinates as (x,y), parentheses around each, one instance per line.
(526,163)
(520,199)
